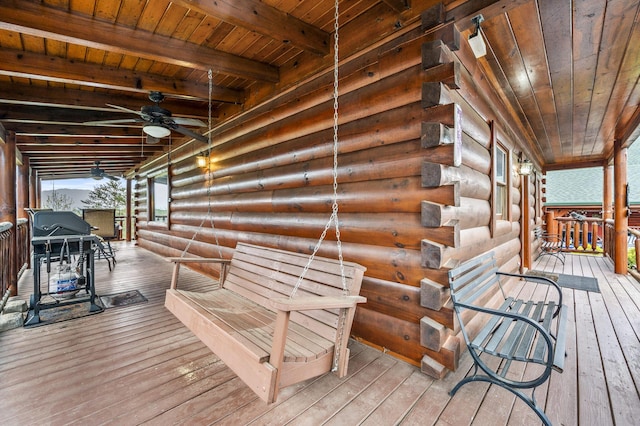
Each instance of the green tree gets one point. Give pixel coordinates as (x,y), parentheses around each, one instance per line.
(109,195)
(58,202)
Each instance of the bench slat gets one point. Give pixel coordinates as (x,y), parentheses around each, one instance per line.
(515,337)
(541,346)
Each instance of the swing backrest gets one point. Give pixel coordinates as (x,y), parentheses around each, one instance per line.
(261,274)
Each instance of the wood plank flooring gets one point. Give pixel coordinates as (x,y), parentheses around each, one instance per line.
(138,365)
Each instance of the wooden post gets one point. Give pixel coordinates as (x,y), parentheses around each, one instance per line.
(127,220)
(22,189)
(620,207)
(8,202)
(526,222)
(607,202)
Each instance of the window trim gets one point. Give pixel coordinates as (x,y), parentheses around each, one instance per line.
(152,196)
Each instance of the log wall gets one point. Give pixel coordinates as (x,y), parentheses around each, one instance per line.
(414,195)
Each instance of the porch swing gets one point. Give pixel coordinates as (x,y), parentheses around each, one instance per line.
(278,317)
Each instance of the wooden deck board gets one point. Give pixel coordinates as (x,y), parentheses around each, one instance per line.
(138,365)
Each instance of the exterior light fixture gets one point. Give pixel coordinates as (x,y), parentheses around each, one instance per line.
(202,160)
(475,40)
(526,167)
(156,131)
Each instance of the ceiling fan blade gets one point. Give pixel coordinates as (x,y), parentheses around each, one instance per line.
(189,122)
(111,177)
(124,109)
(187,132)
(105,122)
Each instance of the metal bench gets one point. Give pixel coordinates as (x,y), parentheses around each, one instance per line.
(515,331)
(271,340)
(551,244)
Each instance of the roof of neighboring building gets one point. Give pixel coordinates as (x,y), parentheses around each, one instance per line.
(578,187)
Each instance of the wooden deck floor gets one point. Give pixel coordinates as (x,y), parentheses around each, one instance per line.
(138,365)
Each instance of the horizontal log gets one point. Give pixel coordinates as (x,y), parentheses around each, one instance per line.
(472,242)
(448,74)
(253,154)
(475,156)
(393,299)
(397,336)
(474,125)
(473,184)
(432,334)
(471,213)
(434,296)
(433,368)
(401,195)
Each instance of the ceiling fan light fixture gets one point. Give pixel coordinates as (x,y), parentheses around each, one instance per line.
(156,131)
(475,40)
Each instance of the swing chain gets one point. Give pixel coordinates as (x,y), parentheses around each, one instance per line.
(207,179)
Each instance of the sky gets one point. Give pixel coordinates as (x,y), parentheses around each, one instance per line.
(86,183)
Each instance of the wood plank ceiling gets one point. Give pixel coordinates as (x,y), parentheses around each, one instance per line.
(568,70)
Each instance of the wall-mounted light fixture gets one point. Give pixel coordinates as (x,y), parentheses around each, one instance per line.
(202,160)
(525,167)
(475,40)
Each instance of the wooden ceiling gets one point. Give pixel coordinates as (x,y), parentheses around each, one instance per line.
(567,70)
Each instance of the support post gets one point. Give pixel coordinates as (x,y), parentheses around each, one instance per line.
(526,222)
(620,209)
(127,219)
(607,201)
(8,204)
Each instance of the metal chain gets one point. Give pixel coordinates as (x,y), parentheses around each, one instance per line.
(208,179)
(334,207)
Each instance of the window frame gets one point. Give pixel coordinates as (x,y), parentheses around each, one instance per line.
(154,191)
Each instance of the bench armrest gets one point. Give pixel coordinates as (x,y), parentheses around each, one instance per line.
(177,261)
(315,302)
(197,260)
(541,280)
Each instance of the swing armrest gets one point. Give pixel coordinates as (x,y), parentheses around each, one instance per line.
(177,261)
(316,302)
(197,260)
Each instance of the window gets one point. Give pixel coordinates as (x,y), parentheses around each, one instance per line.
(501,181)
(159,197)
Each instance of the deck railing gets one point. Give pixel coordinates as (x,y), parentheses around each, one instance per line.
(9,256)
(6,230)
(584,236)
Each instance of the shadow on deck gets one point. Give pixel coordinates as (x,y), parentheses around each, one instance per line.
(137,364)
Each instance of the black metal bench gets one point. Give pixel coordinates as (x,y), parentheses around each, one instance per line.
(550,244)
(516,329)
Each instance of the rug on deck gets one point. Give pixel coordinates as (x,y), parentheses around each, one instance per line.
(575,282)
(55,314)
(122,299)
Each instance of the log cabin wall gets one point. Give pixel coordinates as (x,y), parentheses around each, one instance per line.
(415,189)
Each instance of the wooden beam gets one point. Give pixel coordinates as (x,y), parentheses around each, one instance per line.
(41,21)
(12,93)
(398,5)
(620,209)
(17,63)
(266,20)
(596,162)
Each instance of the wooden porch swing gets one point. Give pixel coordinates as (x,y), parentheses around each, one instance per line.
(277,317)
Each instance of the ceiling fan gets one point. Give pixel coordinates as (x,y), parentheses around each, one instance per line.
(97,173)
(158,122)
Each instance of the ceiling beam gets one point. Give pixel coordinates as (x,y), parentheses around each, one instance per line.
(22,129)
(34,19)
(18,63)
(256,16)
(60,97)
(398,5)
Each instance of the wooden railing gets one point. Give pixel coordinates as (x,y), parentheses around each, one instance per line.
(634,238)
(585,236)
(23,252)
(9,256)
(6,254)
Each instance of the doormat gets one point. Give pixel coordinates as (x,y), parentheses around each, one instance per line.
(575,282)
(122,299)
(56,314)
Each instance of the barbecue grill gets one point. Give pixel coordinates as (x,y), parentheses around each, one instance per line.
(65,238)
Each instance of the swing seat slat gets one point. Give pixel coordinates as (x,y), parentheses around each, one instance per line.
(267,338)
